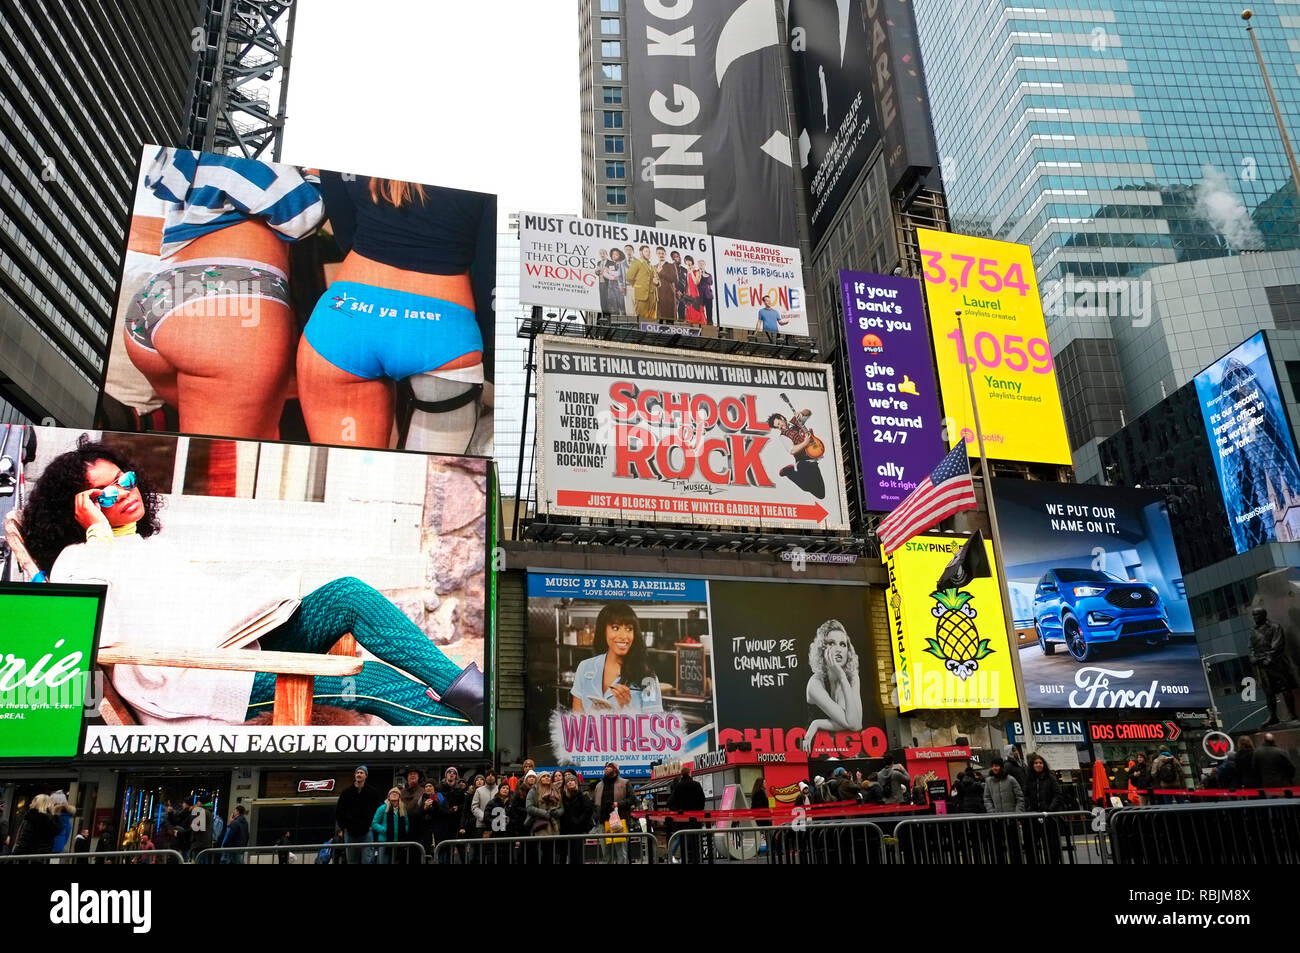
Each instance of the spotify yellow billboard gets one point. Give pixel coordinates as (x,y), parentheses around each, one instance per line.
(1005,347)
(950,645)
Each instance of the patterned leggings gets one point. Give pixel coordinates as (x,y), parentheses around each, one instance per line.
(384,687)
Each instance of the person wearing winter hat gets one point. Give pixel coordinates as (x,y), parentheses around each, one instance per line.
(354,813)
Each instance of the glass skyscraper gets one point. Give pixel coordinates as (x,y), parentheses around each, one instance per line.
(1111,137)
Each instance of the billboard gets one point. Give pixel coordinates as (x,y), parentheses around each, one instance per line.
(796,677)
(902,101)
(642,433)
(709,122)
(1098,598)
(834,103)
(1252,445)
(262,301)
(660,274)
(950,646)
(268,598)
(46,650)
(619,669)
(895,399)
(645,669)
(1006,350)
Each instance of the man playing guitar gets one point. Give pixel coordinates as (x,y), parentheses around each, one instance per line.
(806,450)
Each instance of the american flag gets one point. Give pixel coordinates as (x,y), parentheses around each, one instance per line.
(947,490)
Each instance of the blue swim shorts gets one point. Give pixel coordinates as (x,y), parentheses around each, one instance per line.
(377,332)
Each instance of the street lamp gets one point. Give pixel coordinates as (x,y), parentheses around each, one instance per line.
(1277,112)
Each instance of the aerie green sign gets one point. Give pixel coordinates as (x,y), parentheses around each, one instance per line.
(47,650)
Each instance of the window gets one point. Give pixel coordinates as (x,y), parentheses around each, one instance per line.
(615,195)
(609,6)
(610,26)
(620,217)
(612,71)
(614,95)
(613,120)
(616,170)
(611,48)
(614,144)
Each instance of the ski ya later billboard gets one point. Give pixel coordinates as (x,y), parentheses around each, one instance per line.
(642,433)
(1098,598)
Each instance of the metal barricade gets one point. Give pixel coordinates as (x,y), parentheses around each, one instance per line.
(802,842)
(98,857)
(631,847)
(1063,837)
(1251,832)
(358,852)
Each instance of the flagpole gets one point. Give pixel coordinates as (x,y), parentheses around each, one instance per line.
(1013,642)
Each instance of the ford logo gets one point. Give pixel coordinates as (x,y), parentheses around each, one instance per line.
(1135,595)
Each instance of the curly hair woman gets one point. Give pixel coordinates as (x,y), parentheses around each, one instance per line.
(93,518)
(833,689)
(618,676)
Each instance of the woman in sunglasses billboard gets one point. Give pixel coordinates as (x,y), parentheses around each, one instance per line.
(92,517)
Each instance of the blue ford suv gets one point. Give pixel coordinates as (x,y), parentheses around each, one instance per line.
(1083,608)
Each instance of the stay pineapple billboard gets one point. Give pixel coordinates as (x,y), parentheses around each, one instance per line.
(950,645)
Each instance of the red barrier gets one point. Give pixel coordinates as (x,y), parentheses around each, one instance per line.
(1124,793)
(783,813)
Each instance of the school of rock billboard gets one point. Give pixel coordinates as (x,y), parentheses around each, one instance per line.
(1098,598)
(254,294)
(658,274)
(646,669)
(254,604)
(641,433)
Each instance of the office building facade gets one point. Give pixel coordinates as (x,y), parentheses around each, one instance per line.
(1111,138)
(82,86)
(607,160)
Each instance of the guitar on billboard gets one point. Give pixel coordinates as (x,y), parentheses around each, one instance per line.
(815,449)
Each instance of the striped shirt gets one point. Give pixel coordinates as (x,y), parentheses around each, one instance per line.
(206,192)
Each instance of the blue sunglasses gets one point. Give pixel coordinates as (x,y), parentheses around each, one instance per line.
(110,494)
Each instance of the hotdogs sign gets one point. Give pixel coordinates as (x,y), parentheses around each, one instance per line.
(642,433)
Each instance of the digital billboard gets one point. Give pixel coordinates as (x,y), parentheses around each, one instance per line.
(268,598)
(834,102)
(266,301)
(895,400)
(1098,598)
(1252,445)
(47,648)
(992,283)
(644,669)
(902,101)
(641,433)
(619,669)
(796,677)
(950,646)
(658,274)
(708,119)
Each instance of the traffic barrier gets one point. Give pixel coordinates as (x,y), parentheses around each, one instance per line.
(1249,832)
(394,852)
(98,857)
(800,842)
(1059,837)
(628,847)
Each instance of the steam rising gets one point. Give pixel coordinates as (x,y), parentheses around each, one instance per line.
(1220,206)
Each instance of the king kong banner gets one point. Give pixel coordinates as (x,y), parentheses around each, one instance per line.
(795,678)
(266,301)
(1098,598)
(619,670)
(834,102)
(263,599)
(709,119)
(640,433)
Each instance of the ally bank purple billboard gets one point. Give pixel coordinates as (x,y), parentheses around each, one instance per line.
(894,393)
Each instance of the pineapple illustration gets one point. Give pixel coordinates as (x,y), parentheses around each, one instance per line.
(957,641)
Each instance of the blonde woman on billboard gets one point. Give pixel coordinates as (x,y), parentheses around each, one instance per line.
(92,518)
(411,303)
(212,329)
(833,692)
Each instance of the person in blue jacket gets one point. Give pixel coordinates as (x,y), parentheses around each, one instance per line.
(390,824)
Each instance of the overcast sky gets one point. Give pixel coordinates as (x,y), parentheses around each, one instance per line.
(478,96)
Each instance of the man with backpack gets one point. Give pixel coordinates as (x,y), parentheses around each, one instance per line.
(1166,772)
